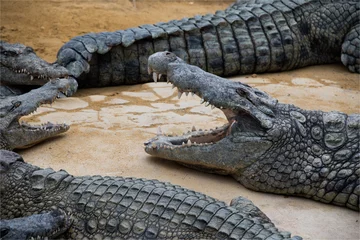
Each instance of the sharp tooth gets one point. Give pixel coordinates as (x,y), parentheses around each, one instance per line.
(189,142)
(179,94)
(31,77)
(159,76)
(212,106)
(192,93)
(193,129)
(155,76)
(207,104)
(153,145)
(202,101)
(167,80)
(149,70)
(187,93)
(159,132)
(183,143)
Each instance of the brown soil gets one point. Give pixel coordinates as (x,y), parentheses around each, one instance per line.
(107,138)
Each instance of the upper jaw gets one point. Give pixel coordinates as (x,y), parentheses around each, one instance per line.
(27,76)
(240,122)
(21,135)
(231,97)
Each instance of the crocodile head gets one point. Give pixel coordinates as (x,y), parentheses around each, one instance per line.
(47,225)
(16,134)
(249,132)
(19,65)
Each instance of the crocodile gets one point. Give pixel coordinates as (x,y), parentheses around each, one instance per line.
(266,145)
(16,134)
(124,208)
(38,226)
(20,66)
(251,36)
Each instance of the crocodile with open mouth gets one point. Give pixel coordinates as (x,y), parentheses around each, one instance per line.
(266,145)
(247,37)
(16,134)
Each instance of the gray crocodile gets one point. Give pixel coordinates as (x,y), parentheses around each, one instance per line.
(251,36)
(122,208)
(20,67)
(266,145)
(47,225)
(16,134)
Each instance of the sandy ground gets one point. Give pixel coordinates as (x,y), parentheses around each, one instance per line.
(109,125)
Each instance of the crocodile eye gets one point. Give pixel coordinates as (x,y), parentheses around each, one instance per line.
(29,49)
(17,104)
(168,53)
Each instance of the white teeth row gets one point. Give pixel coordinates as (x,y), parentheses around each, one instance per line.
(28,73)
(156,76)
(180,93)
(193,129)
(187,144)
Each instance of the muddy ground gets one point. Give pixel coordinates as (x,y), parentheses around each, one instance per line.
(109,125)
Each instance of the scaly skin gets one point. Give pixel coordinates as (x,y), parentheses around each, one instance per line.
(250,36)
(267,146)
(126,208)
(19,65)
(14,134)
(38,226)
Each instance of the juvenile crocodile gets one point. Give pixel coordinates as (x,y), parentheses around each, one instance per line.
(14,134)
(38,226)
(266,145)
(125,208)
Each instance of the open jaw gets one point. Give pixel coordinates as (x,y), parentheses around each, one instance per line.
(245,129)
(19,134)
(25,135)
(236,121)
